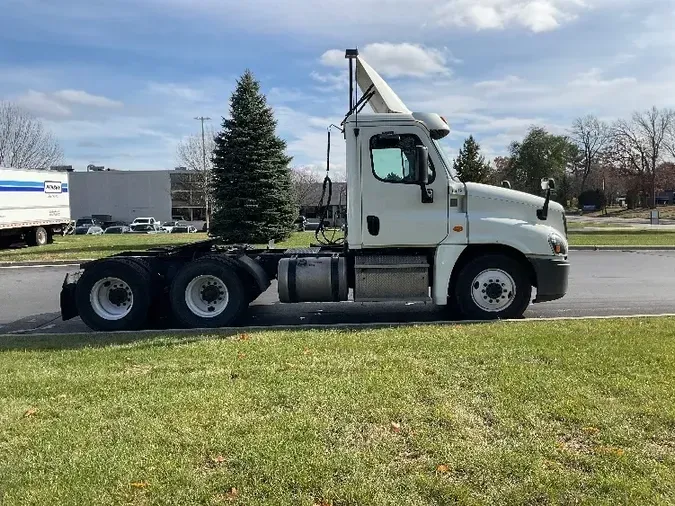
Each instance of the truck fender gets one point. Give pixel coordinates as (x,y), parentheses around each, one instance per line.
(256,271)
(444,263)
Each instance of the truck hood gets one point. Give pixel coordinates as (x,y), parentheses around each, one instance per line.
(492,201)
(498,193)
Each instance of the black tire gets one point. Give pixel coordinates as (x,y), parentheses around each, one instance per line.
(218,267)
(159,314)
(50,236)
(495,285)
(37,237)
(135,275)
(6,242)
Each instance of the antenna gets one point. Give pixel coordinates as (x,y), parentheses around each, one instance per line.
(351,55)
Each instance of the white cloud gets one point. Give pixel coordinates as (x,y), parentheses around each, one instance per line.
(593,79)
(498,84)
(42,105)
(396,60)
(484,17)
(541,16)
(59,104)
(80,97)
(380,16)
(510,125)
(534,15)
(179,91)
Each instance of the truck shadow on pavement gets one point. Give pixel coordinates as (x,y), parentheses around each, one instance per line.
(47,331)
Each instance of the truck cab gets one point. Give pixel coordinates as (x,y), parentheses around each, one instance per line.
(414,232)
(500,236)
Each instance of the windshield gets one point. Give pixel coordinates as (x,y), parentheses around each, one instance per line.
(142,220)
(446,160)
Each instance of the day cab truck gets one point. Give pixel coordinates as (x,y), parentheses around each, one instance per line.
(414,233)
(34,206)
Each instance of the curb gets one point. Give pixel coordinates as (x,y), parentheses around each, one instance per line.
(210,333)
(39,263)
(622,248)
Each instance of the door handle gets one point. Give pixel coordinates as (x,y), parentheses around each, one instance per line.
(373,223)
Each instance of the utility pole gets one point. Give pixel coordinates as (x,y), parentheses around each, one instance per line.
(205,182)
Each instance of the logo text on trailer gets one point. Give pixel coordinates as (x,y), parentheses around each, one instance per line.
(53,187)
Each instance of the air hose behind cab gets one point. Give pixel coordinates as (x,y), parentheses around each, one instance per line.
(321,235)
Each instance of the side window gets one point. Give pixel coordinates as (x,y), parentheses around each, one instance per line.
(393,158)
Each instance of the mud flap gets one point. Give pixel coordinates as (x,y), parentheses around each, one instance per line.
(68,305)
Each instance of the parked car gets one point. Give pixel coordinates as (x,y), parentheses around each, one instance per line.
(117,229)
(169,225)
(145,225)
(144,221)
(301,223)
(88,230)
(107,224)
(184,229)
(88,221)
(146,228)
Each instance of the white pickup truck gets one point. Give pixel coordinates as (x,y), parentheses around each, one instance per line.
(34,205)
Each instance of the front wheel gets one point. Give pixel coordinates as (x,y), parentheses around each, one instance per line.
(493,287)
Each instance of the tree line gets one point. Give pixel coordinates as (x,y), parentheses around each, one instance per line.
(595,160)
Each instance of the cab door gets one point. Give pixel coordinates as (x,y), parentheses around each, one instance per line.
(393,211)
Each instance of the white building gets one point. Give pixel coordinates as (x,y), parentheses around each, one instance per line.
(124,195)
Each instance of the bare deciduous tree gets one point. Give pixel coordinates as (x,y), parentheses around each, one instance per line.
(303,180)
(639,145)
(190,155)
(592,136)
(24,142)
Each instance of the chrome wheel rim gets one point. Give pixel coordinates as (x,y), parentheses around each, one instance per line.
(111,298)
(206,296)
(493,290)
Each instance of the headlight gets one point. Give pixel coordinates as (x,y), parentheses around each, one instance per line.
(558,244)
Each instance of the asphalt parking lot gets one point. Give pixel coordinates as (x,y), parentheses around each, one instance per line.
(602,283)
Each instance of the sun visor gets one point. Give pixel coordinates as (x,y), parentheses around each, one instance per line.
(384,100)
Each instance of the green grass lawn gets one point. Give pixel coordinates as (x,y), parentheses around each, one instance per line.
(627,238)
(623,212)
(87,247)
(577,412)
(75,247)
(576,225)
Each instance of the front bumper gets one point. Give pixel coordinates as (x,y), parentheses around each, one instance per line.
(68,304)
(552,274)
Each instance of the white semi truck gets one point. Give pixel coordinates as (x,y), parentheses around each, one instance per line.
(414,233)
(34,205)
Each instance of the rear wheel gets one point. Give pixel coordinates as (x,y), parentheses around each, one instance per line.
(493,287)
(208,293)
(114,294)
(37,237)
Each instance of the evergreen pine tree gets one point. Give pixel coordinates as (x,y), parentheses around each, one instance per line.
(252,191)
(470,165)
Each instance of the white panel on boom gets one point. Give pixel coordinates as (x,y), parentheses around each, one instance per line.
(384,100)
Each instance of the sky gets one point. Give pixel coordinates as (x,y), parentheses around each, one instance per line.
(119,83)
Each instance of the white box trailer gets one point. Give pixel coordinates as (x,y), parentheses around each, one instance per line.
(34,205)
